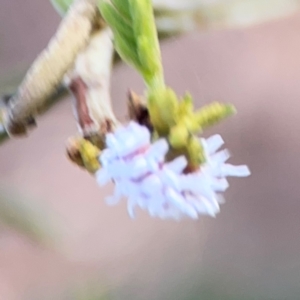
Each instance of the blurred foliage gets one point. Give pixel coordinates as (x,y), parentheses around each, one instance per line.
(185,15)
(179,16)
(28,218)
(88,291)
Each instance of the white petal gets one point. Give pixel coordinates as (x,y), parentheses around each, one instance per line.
(179,201)
(142,202)
(155,204)
(158,150)
(219,185)
(198,185)
(211,208)
(131,207)
(199,205)
(177,165)
(102,177)
(238,171)
(220,198)
(170,179)
(138,130)
(213,143)
(106,157)
(219,157)
(111,141)
(151,185)
(130,189)
(111,200)
(214,204)
(191,212)
(171,213)
(153,165)
(117,169)
(127,147)
(138,168)
(115,199)
(174,198)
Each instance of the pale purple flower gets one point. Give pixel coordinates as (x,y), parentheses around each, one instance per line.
(139,171)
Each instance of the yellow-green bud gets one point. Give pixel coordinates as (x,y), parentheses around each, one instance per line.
(178,136)
(195,152)
(89,154)
(213,113)
(162,106)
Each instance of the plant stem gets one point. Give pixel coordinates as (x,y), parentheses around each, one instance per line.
(51,65)
(89,81)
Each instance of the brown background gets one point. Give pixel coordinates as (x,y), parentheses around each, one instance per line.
(250,251)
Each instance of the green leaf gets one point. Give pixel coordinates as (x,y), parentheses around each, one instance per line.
(117,23)
(143,18)
(123,8)
(127,51)
(147,41)
(133,24)
(19,213)
(125,42)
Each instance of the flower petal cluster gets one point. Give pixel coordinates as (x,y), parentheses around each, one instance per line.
(140,173)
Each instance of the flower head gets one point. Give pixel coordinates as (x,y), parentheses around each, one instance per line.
(141,174)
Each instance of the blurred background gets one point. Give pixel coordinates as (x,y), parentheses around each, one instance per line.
(59,240)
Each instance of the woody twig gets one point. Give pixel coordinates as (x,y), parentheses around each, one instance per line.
(51,65)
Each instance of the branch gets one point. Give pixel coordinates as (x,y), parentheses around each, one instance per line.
(48,70)
(58,94)
(89,82)
(172,17)
(42,85)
